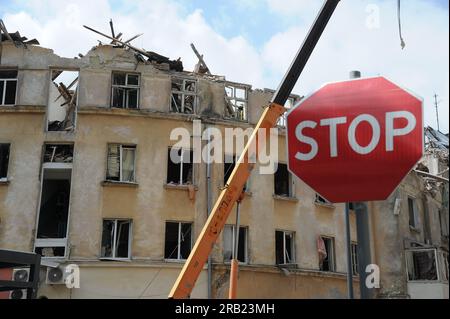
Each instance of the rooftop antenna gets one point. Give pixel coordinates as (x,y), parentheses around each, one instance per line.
(436,105)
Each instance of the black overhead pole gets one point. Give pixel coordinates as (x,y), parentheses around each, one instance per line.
(298,64)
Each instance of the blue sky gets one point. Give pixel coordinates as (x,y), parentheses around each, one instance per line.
(253,41)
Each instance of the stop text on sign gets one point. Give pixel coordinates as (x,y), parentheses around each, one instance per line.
(332,123)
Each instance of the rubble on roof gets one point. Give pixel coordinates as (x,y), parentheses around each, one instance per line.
(15,37)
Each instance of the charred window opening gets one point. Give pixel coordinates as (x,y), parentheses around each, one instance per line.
(421,264)
(288,105)
(229,242)
(321,200)
(62,103)
(8,87)
(284,247)
(228,166)
(4,161)
(326,254)
(180,167)
(116,239)
(184,96)
(283,181)
(58,153)
(178,240)
(354,253)
(125,90)
(236,100)
(412,211)
(121,163)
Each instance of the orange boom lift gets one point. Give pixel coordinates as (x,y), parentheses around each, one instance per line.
(235,184)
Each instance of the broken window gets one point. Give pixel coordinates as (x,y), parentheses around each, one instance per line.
(4,161)
(284,247)
(229,242)
(62,101)
(283,181)
(236,102)
(412,210)
(421,264)
(442,220)
(125,90)
(354,255)
(184,95)
(320,200)
(116,239)
(178,240)
(121,163)
(327,259)
(228,167)
(8,87)
(179,166)
(58,153)
(288,105)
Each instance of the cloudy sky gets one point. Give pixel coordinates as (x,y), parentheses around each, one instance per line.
(254,41)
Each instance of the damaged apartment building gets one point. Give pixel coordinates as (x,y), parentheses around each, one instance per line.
(86,179)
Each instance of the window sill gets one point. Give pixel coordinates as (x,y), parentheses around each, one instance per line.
(4,181)
(175,261)
(119,184)
(285,198)
(182,187)
(114,259)
(325,205)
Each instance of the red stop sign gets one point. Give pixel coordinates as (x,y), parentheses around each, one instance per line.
(355,140)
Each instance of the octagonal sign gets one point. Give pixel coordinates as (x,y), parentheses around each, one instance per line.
(355,140)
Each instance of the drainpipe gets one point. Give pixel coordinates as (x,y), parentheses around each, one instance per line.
(208,207)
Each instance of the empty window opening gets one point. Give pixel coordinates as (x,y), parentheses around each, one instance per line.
(412,211)
(229,164)
(180,167)
(178,240)
(125,90)
(121,163)
(58,153)
(184,95)
(236,101)
(288,105)
(229,242)
(284,247)
(421,264)
(321,200)
(4,161)
(8,87)
(116,239)
(326,254)
(53,213)
(62,103)
(354,255)
(283,181)
(442,220)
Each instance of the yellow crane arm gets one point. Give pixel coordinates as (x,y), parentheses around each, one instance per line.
(221,210)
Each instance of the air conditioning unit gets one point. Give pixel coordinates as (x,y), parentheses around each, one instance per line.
(55,276)
(21,275)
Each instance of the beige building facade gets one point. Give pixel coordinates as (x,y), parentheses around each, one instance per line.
(88,181)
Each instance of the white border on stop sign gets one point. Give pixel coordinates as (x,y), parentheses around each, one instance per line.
(306,97)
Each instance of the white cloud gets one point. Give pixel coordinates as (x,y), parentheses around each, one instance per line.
(347,43)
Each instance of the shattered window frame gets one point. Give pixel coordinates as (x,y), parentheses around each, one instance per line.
(229,235)
(5,152)
(113,252)
(179,241)
(235,102)
(182,166)
(413,213)
(330,259)
(121,148)
(184,93)
(289,182)
(62,151)
(286,260)
(414,272)
(125,88)
(354,256)
(4,83)
(288,105)
(322,200)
